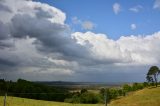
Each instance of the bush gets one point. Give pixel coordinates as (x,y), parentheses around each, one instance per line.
(127,88)
(134,87)
(74,99)
(113,93)
(85,97)
(89,97)
(84,91)
(102,91)
(110,93)
(145,84)
(120,92)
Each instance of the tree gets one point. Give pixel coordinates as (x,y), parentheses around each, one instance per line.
(127,88)
(102,91)
(149,79)
(153,74)
(145,84)
(83,91)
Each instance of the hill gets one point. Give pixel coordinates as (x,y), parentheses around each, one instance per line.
(145,97)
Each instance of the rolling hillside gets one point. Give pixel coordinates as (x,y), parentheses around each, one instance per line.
(145,97)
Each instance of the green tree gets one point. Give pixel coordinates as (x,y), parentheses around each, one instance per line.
(83,91)
(127,88)
(89,97)
(149,78)
(145,84)
(113,93)
(102,91)
(153,74)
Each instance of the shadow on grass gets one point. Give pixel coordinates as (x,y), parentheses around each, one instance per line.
(151,87)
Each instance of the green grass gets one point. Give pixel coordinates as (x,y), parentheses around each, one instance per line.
(145,97)
(14,101)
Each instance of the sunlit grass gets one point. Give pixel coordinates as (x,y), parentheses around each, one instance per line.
(145,97)
(14,101)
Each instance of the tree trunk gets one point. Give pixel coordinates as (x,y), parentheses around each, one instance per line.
(155,78)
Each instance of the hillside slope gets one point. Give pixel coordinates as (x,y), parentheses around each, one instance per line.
(145,97)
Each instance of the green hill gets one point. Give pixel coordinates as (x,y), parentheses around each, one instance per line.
(145,97)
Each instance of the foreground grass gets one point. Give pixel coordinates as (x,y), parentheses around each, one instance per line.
(14,101)
(145,97)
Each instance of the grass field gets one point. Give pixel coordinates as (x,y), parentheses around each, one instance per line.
(145,97)
(14,101)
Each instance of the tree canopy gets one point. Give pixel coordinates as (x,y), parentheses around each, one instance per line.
(152,75)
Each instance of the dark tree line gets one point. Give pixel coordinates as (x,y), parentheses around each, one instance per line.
(27,89)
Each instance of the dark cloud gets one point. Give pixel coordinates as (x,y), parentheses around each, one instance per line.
(5,8)
(54,37)
(40,13)
(6,66)
(4,31)
(7,62)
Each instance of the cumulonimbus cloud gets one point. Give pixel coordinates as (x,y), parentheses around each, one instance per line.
(130,50)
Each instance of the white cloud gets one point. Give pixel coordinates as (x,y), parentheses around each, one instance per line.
(133,26)
(75,20)
(116,8)
(156,4)
(102,48)
(34,9)
(136,9)
(86,25)
(126,50)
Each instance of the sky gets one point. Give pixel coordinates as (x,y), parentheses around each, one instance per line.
(79,40)
(115,18)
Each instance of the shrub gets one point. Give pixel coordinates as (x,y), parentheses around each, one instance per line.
(89,97)
(145,84)
(102,91)
(73,99)
(127,88)
(113,93)
(120,92)
(83,91)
